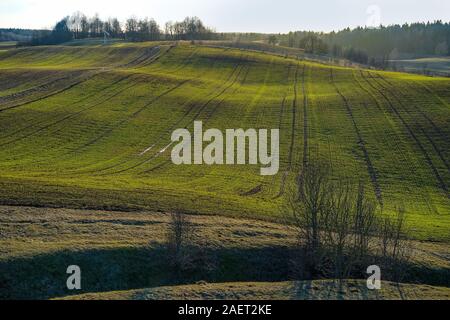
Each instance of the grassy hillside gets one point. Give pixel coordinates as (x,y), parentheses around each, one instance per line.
(89,126)
(119,251)
(304,290)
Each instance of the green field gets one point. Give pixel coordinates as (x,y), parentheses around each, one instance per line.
(88,126)
(430,65)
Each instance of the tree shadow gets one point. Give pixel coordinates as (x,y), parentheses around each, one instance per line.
(44,276)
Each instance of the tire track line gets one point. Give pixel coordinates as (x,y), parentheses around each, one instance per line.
(373,174)
(84,79)
(34,123)
(65,118)
(132,116)
(435,127)
(294,119)
(280,121)
(439,179)
(291,146)
(38,88)
(192,107)
(209,116)
(305,120)
(195,117)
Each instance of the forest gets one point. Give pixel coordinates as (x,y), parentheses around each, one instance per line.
(375,46)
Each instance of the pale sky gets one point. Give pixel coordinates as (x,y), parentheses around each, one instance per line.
(233,15)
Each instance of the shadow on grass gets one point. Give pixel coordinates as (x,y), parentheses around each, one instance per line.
(44,276)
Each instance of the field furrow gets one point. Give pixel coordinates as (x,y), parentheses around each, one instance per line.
(362,144)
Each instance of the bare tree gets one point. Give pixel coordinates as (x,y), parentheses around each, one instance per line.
(179,239)
(307,204)
(169,30)
(154,30)
(84,25)
(395,249)
(75,24)
(116,27)
(339,231)
(96,26)
(131,28)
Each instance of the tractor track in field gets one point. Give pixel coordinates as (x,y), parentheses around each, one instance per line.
(208,117)
(192,107)
(132,116)
(285,173)
(38,88)
(305,120)
(434,94)
(441,135)
(244,79)
(180,66)
(293,125)
(149,56)
(66,117)
(159,139)
(435,127)
(14,80)
(294,119)
(238,69)
(373,174)
(187,61)
(394,142)
(367,91)
(54,93)
(34,123)
(280,121)
(439,179)
(90,75)
(173,126)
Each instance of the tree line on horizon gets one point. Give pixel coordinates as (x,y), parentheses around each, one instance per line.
(79,26)
(369,46)
(375,46)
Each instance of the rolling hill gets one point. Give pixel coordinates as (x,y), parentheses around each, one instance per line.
(89,126)
(123,255)
(302,290)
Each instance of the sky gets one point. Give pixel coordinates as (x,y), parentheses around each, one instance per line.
(267,16)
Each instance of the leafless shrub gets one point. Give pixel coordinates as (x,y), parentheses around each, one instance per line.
(307,203)
(187,252)
(179,238)
(338,229)
(395,249)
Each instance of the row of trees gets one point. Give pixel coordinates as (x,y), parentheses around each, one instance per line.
(375,46)
(79,26)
